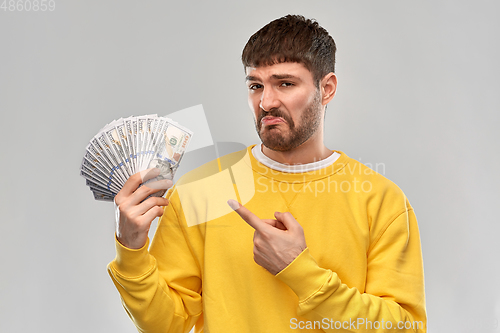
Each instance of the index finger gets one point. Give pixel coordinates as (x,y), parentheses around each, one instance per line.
(137,179)
(253,220)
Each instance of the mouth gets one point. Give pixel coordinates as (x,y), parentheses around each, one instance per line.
(269,120)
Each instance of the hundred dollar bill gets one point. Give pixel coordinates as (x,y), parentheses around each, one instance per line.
(113,141)
(96,174)
(141,137)
(177,138)
(102,155)
(169,149)
(103,197)
(158,127)
(97,179)
(93,185)
(90,177)
(122,136)
(143,128)
(129,130)
(91,157)
(129,145)
(112,157)
(94,162)
(128,141)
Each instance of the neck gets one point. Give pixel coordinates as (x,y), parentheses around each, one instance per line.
(313,150)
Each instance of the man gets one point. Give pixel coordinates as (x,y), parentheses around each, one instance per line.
(328,244)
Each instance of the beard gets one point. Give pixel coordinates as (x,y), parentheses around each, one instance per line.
(277,139)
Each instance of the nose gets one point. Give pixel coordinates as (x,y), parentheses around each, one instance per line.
(269,100)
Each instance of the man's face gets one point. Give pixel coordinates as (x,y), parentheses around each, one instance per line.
(286,104)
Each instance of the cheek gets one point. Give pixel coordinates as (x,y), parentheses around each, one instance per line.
(253,103)
(298,104)
(250,102)
(303,100)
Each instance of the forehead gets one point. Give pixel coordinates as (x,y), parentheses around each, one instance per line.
(294,69)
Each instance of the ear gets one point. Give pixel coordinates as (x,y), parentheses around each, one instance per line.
(328,87)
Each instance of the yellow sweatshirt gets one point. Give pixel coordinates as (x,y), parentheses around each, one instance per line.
(362,270)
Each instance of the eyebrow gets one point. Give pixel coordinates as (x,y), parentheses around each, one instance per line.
(275,76)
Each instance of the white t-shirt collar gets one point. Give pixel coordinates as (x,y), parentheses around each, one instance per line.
(297,168)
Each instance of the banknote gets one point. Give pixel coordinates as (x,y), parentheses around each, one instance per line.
(126,146)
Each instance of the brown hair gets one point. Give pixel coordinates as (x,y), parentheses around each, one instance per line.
(292,38)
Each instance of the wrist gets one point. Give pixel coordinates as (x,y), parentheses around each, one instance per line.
(133,244)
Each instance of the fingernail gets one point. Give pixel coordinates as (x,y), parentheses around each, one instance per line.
(233,204)
(149,174)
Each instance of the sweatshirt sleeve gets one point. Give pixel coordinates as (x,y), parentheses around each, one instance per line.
(393,300)
(159,296)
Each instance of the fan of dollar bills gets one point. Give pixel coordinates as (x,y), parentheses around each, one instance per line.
(130,145)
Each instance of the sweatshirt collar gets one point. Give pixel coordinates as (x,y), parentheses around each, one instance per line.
(299,177)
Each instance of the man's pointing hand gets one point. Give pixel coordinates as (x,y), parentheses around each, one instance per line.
(276,242)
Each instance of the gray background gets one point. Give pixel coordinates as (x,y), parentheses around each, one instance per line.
(418,92)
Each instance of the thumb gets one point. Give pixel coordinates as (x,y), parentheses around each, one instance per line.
(275,223)
(287,219)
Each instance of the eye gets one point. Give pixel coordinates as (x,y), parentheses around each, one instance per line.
(286,84)
(254,86)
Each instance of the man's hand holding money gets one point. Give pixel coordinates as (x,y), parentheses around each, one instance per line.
(135,211)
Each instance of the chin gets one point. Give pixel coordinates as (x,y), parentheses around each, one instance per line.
(277,145)
(275,148)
